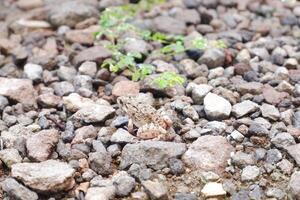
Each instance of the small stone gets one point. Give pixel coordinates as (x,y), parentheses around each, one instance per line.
(88,68)
(237,136)
(176,166)
(270,111)
(250,173)
(33,72)
(258,130)
(294,152)
(294,185)
(3,102)
(169,25)
(10,157)
(216,107)
(41,145)
(133,45)
(244,108)
(185,196)
(275,193)
(126,88)
(84,134)
(49,100)
(285,166)
(16,190)
(63,88)
(66,73)
(291,63)
(213,189)
(272,96)
(124,183)
(48,176)
(155,190)
(82,36)
(273,156)
(243,159)
(203,155)
(100,193)
(210,176)
(250,87)
(96,54)
(213,58)
(100,162)
(122,136)
(199,92)
(282,140)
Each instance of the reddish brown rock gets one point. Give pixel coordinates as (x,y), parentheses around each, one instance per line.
(205,154)
(49,100)
(124,88)
(80,36)
(96,53)
(272,96)
(241,68)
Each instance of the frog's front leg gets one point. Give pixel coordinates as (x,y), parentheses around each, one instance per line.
(150,131)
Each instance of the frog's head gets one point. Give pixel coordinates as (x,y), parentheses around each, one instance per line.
(124,102)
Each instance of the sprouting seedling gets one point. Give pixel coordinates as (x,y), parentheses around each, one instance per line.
(168,79)
(142,71)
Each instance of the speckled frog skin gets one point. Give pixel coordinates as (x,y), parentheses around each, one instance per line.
(150,123)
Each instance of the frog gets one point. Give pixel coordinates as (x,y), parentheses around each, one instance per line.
(151,123)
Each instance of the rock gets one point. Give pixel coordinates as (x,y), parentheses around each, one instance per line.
(41,145)
(275,193)
(84,134)
(213,189)
(124,183)
(273,156)
(169,25)
(95,114)
(122,136)
(100,162)
(199,92)
(10,156)
(250,173)
(270,111)
(100,193)
(126,88)
(296,120)
(204,155)
(250,87)
(83,36)
(294,185)
(70,13)
(212,58)
(190,16)
(155,190)
(66,73)
(258,129)
(242,159)
(282,140)
(33,72)
(47,176)
(285,166)
(28,5)
(291,63)
(49,100)
(176,166)
(216,107)
(20,90)
(185,196)
(133,45)
(272,96)
(215,73)
(294,152)
(241,68)
(237,136)
(95,53)
(244,108)
(154,154)
(63,88)
(16,190)
(88,68)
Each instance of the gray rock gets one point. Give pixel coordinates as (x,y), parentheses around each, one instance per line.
(88,68)
(275,193)
(294,185)
(270,111)
(70,13)
(244,108)
(258,130)
(296,120)
(256,193)
(16,190)
(285,166)
(82,81)
(204,155)
(63,88)
(155,190)
(250,173)
(133,45)
(294,152)
(95,53)
(216,107)
(273,156)
(193,69)
(154,154)
(237,136)
(3,102)
(100,162)
(84,134)
(66,73)
(199,92)
(176,166)
(33,71)
(114,150)
(47,176)
(100,193)
(242,194)
(250,87)
(95,114)
(243,159)
(20,90)
(282,140)
(40,145)
(212,58)
(260,154)
(190,112)
(124,183)
(140,172)
(185,196)
(10,156)
(122,136)
(169,25)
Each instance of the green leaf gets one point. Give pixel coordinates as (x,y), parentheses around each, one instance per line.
(199,43)
(174,48)
(168,79)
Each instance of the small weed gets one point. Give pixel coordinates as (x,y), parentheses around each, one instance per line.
(168,79)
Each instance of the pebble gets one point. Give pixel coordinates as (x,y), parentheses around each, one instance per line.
(294,185)
(250,173)
(123,183)
(88,68)
(213,189)
(33,72)
(293,151)
(216,107)
(16,190)
(270,112)
(126,88)
(212,58)
(244,108)
(155,190)
(122,136)
(10,156)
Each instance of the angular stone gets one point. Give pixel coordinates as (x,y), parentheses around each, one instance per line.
(294,152)
(213,189)
(294,185)
(95,114)
(212,58)
(251,87)
(205,155)
(10,156)
(154,154)
(244,108)
(126,88)
(20,90)
(16,190)
(100,193)
(47,176)
(270,111)
(156,190)
(216,107)
(169,25)
(41,145)
(95,53)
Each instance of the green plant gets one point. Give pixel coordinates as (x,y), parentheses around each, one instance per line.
(168,79)
(142,71)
